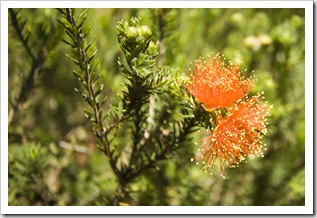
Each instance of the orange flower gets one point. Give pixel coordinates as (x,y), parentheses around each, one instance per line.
(236,136)
(217,85)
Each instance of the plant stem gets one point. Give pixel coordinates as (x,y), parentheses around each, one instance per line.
(85,67)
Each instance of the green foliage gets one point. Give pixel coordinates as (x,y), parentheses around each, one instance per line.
(27,184)
(36,50)
(144,121)
(154,132)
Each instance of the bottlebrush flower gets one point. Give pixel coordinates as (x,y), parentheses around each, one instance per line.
(216,85)
(237,136)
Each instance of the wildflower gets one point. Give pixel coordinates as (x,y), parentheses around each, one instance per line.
(216,85)
(237,136)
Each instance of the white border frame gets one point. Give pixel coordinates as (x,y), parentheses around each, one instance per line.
(307,209)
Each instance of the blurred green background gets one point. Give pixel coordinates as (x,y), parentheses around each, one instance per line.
(42,171)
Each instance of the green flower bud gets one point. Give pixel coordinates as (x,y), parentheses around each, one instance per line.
(152,46)
(265,39)
(131,33)
(145,31)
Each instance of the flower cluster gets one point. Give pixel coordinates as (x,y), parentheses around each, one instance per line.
(217,85)
(239,121)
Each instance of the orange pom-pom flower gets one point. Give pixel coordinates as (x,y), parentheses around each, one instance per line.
(236,136)
(216,85)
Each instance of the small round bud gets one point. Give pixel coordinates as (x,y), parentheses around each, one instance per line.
(145,31)
(252,42)
(265,39)
(131,33)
